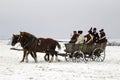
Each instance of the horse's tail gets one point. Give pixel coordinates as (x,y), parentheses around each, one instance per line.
(58,45)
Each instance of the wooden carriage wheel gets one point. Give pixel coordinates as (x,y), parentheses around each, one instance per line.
(78,56)
(98,55)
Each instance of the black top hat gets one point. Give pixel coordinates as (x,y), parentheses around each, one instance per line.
(80,32)
(101,30)
(94,29)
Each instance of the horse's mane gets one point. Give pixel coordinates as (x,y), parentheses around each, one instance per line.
(27,34)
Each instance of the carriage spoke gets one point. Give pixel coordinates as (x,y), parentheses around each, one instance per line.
(98,55)
(78,56)
(100,58)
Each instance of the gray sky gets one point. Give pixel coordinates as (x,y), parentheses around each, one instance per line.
(58,18)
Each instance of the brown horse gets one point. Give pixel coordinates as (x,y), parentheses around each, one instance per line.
(14,41)
(31,44)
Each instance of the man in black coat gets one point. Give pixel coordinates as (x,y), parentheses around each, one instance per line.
(95,36)
(102,38)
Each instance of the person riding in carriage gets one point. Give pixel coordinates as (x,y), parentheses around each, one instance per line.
(102,38)
(80,38)
(89,37)
(74,37)
(95,36)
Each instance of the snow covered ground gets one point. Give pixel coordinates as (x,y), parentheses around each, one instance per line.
(12,69)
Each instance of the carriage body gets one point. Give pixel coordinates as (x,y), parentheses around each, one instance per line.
(78,52)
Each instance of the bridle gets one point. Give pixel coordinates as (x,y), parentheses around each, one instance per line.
(20,38)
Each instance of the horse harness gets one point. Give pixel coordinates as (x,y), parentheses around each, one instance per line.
(39,42)
(28,43)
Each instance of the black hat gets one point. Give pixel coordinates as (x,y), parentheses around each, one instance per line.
(74,31)
(94,29)
(80,32)
(101,30)
(90,32)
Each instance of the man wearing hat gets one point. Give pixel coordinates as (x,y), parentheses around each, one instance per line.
(74,37)
(80,39)
(89,37)
(95,36)
(102,38)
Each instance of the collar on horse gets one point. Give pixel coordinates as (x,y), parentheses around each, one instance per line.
(25,44)
(29,43)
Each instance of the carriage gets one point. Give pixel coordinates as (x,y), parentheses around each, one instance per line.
(74,52)
(84,52)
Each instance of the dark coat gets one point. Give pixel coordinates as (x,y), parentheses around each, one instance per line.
(95,37)
(102,37)
(74,38)
(89,39)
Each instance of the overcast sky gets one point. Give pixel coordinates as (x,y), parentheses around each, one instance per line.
(58,18)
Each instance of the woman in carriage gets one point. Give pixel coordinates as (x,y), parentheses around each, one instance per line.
(102,38)
(89,37)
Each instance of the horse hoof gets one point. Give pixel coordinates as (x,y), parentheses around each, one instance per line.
(47,60)
(21,61)
(58,60)
(26,61)
(36,61)
(50,61)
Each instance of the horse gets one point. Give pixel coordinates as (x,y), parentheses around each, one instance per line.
(14,41)
(31,45)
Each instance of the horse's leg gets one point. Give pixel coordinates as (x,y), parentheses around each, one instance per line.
(46,57)
(24,53)
(56,56)
(26,56)
(32,55)
(51,57)
(35,57)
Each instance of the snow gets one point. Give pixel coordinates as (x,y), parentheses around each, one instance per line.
(12,69)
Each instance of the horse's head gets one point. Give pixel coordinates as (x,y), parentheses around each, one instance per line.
(26,39)
(14,39)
